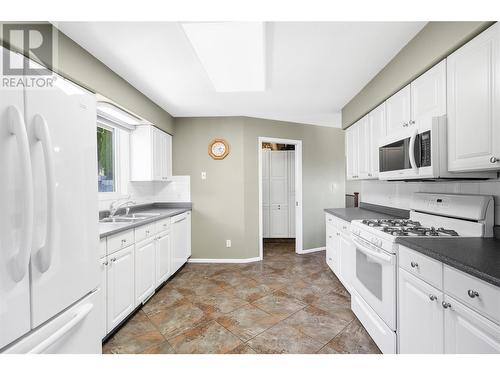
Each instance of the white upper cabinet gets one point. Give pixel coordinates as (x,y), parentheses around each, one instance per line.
(363,148)
(151,154)
(473,78)
(352,136)
(398,109)
(377,124)
(428,96)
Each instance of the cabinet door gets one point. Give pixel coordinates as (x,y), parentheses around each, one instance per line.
(278,221)
(163,257)
(420,316)
(144,270)
(120,285)
(347,260)
(363,148)
(179,241)
(331,233)
(428,96)
(473,79)
(104,295)
(352,134)
(377,126)
(336,254)
(467,332)
(157,142)
(398,111)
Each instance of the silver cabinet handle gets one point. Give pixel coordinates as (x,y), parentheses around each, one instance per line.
(414,264)
(446,305)
(412,122)
(105,263)
(472,293)
(432,297)
(405,125)
(124,240)
(113,260)
(147,232)
(494,160)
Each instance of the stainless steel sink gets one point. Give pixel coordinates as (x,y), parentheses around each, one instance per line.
(130,218)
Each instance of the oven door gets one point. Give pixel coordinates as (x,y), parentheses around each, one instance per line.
(399,157)
(375,279)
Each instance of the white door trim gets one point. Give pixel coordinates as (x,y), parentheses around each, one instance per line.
(298,191)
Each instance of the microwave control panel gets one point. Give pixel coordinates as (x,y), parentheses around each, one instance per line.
(425,149)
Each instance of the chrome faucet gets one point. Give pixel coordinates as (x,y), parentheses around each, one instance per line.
(114,206)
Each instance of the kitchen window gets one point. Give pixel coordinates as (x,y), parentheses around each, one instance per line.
(106,175)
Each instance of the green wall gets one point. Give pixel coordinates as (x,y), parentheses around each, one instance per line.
(225,205)
(432,44)
(76,64)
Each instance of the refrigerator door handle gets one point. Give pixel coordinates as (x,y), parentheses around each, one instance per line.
(42,134)
(61,332)
(17,127)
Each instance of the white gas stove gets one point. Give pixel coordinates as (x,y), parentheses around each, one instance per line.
(431,215)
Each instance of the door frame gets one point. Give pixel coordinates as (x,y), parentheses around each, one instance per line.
(298,192)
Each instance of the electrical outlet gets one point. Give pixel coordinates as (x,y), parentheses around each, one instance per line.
(228,243)
(203,175)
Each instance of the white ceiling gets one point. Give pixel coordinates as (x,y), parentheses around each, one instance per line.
(312,68)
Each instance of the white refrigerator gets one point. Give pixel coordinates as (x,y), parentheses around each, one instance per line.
(49,271)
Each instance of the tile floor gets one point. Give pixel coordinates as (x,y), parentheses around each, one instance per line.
(287,303)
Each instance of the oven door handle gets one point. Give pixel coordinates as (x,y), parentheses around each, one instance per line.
(372,253)
(411,150)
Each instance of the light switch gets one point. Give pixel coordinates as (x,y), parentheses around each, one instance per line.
(203,175)
(228,243)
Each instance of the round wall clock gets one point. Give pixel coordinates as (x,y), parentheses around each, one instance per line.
(218,149)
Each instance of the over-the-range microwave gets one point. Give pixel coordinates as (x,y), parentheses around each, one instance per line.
(419,153)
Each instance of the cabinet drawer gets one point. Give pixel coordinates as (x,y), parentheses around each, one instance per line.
(162,225)
(144,231)
(120,241)
(102,247)
(426,268)
(475,293)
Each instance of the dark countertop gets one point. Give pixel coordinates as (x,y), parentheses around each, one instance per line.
(164,209)
(367,211)
(479,257)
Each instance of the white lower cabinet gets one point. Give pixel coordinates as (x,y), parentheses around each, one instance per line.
(421,316)
(431,320)
(163,257)
(145,281)
(340,252)
(467,332)
(131,274)
(120,285)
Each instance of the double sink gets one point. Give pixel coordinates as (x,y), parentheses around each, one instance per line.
(129,218)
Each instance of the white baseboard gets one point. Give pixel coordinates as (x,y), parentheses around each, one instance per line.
(244,260)
(307,251)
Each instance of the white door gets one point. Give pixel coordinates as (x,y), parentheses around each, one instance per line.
(157,153)
(364,153)
(163,257)
(145,281)
(278,194)
(189,241)
(179,241)
(337,255)
(420,316)
(352,134)
(104,296)
(120,286)
(168,162)
(398,111)
(428,96)
(376,121)
(265,191)
(61,125)
(331,234)
(16,200)
(473,78)
(347,260)
(467,332)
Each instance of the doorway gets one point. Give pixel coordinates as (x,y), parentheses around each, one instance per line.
(280,192)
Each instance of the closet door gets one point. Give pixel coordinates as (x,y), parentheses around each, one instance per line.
(278,194)
(265,192)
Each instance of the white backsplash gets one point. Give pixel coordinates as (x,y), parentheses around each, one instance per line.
(398,194)
(177,189)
